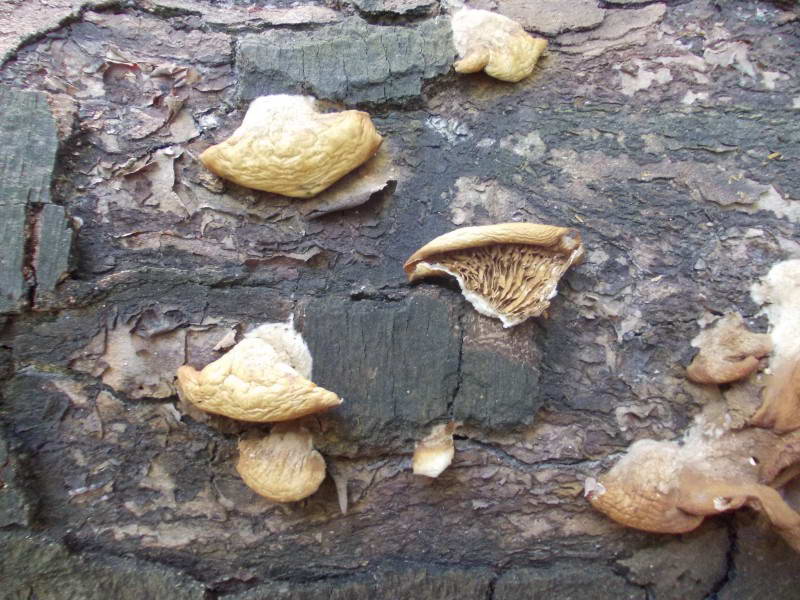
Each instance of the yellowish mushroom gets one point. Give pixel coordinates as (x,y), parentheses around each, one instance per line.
(283,466)
(665,487)
(434,453)
(285,146)
(508,271)
(728,351)
(264,378)
(495,44)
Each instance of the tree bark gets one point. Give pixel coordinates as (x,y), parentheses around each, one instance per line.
(666,133)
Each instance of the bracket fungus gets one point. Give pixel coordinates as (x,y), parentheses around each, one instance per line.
(495,44)
(283,466)
(286,146)
(728,351)
(508,271)
(666,487)
(263,378)
(434,453)
(779,292)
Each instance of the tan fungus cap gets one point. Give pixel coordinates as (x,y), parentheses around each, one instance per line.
(666,488)
(283,466)
(642,490)
(261,379)
(286,146)
(495,44)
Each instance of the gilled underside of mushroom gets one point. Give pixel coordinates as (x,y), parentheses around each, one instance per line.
(511,282)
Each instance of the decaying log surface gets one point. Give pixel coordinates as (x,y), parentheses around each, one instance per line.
(666,133)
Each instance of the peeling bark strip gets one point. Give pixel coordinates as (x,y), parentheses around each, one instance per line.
(352,61)
(28,145)
(52,253)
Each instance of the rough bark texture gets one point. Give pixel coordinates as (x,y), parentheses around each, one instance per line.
(667,133)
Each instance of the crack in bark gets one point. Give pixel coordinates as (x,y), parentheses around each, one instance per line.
(459,376)
(730,560)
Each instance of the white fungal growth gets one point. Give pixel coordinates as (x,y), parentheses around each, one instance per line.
(288,344)
(779,294)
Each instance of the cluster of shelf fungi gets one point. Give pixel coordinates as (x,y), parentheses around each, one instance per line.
(738,452)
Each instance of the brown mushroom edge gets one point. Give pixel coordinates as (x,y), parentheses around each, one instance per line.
(779,293)
(509,271)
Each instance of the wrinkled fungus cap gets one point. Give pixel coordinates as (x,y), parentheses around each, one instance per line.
(495,44)
(508,271)
(434,453)
(728,351)
(264,378)
(283,466)
(285,146)
(642,490)
(666,488)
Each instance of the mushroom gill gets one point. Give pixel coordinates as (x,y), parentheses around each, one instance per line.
(509,271)
(286,146)
(283,466)
(263,378)
(495,44)
(728,351)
